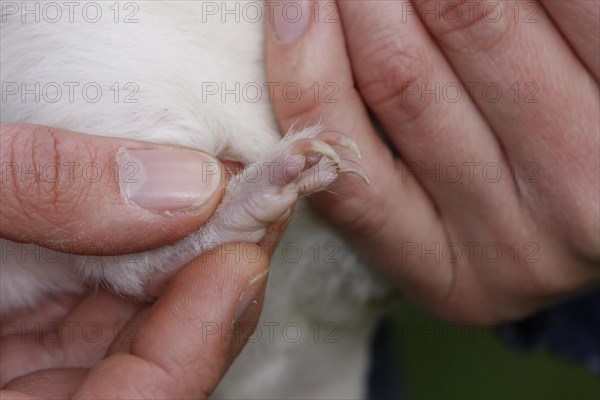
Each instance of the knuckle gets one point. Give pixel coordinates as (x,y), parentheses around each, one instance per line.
(305,102)
(357,212)
(551,271)
(394,70)
(582,229)
(38,151)
(304,94)
(38,188)
(552,281)
(580,220)
(590,245)
(465,25)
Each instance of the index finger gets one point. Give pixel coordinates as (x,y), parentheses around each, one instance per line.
(188,339)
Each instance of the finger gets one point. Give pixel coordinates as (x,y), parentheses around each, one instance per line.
(439,132)
(58,383)
(268,244)
(53,309)
(394,206)
(15,395)
(579,22)
(127,333)
(188,337)
(274,232)
(80,339)
(79,193)
(534,77)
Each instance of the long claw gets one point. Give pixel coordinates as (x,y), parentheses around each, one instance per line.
(339,139)
(353,168)
(305,146)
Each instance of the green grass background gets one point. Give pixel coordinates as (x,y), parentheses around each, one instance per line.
(445,361)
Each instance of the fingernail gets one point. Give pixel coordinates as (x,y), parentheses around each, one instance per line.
(168,179)
(290,19)
(249,295)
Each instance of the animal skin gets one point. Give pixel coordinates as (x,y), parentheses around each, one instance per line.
(157,65)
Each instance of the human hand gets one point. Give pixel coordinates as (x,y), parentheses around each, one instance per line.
(484,202)
(104,346)
(99,345)
(85,194)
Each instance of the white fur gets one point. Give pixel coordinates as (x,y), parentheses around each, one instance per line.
(169,54)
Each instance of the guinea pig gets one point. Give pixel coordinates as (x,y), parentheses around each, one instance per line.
(179,73)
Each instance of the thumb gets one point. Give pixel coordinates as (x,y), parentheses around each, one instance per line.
(79,193)
(193,332)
